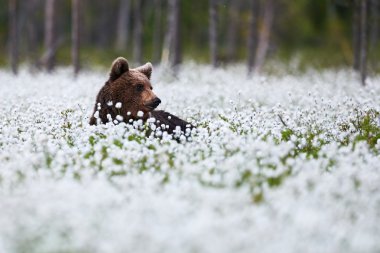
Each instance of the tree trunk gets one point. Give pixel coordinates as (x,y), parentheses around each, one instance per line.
(363,41)
(123,25)
(13,30)
(171,52)
(232,30)
(252,39)
(264,34)
(137,44)
(157,31)
(75,36)
(176,46)
(375,19)
(213,34)
(32,33)
(356,33)
(103,29)
(49,35)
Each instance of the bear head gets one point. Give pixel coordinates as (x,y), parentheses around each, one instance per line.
(126,94)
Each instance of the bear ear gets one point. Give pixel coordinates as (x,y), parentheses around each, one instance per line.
(146,69)
(119,67)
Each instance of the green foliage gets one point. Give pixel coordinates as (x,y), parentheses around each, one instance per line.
(366,128)
(118,143)
(117,161)
(286,134)
(48,159)
(67,126)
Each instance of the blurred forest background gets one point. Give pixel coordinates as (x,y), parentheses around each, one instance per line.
(313,33)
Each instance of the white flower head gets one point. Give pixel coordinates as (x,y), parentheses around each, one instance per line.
(110,103)
(119,117)
(151,120)
(140,114)
(118,105)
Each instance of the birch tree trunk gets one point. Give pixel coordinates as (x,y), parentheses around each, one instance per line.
(13,36)
(32,33)
(363,41)
(137,44)
(171,52)
(252,39)
(264,34)
(356,33)
(75,36)
(157,31)
(102,23)
(167,39)
(176,45)
(375,19)
(49,39)
(213,34)
(232,30)
(122,31)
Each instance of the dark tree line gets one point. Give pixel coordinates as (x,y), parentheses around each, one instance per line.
(75,35)
(169,30)
(13,36)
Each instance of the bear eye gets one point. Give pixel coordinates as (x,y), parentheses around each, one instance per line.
(139,87)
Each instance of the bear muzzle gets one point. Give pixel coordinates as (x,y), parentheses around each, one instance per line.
(153,103)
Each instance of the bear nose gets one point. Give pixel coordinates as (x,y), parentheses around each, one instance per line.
(156,102)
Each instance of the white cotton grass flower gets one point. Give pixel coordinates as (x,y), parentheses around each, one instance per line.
(118,105)
(119,118)
(140,114)
(238,166)
(96,115)
(110,103)
(151,120)
(182,138)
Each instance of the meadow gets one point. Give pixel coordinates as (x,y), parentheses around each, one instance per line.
(279,163)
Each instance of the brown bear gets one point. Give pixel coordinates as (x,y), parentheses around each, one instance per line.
(127,96)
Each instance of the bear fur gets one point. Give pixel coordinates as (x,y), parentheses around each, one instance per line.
(127,93)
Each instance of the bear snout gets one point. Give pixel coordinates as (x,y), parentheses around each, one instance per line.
(153,103)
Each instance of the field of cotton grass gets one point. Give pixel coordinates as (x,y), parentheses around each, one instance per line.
(279,163)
